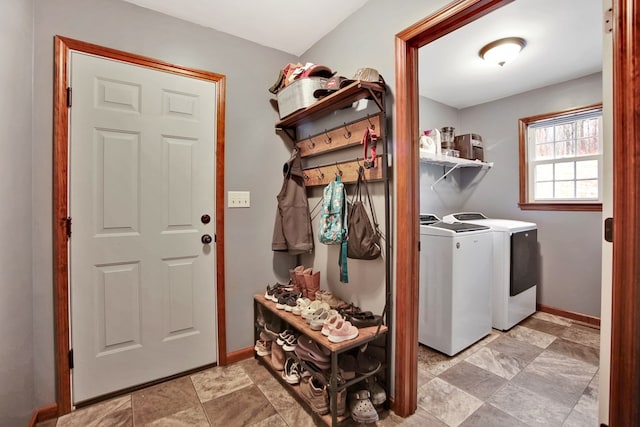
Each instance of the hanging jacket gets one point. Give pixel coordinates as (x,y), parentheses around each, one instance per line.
(292,231)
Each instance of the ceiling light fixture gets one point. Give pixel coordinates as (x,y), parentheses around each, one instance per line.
(503,50)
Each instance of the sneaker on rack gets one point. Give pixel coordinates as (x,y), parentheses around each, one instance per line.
(301,303)
(291,372)
(343,331)
(290,343)
(315,394)
(330,323)
(282,336)
(262,348)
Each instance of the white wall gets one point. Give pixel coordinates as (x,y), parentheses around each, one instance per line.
(16,310)
(254,153)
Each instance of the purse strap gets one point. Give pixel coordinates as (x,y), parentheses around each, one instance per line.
(363,179)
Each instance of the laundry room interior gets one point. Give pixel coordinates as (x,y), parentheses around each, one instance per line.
(569,241)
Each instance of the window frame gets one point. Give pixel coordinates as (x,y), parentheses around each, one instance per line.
(562,205)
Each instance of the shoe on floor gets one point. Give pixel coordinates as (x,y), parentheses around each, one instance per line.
(362,410)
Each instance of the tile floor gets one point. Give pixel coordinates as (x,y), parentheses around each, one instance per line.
(543,372)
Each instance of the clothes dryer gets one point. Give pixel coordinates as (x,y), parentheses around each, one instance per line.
(455,284)
(515,266)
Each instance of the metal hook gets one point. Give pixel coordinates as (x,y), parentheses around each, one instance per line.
(306,177)
(321,175)
(348,134)
(371,124)
(328,140)
(311,144)
(339,171)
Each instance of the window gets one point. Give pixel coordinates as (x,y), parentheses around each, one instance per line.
(561,160)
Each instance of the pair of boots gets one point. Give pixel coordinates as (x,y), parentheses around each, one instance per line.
(305,281)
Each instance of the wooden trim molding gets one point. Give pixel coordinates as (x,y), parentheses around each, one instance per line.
(624,397)
(242,354)
(584,318)
(43,413)
(406,159)
(63,46)
(584,207)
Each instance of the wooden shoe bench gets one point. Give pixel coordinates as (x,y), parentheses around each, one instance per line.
(291,321)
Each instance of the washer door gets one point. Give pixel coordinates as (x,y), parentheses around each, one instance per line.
(524,261)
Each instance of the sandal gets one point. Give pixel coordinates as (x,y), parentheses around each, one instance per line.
(364,319)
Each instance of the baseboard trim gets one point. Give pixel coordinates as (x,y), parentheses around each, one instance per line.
(43,413)
(242,354)
(585,318)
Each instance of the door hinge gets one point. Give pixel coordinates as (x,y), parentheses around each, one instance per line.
(608,21)
(71,359)
(608,230)
(67,221)
(69,97)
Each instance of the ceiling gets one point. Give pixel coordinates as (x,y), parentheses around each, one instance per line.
(292,27)
(564,40)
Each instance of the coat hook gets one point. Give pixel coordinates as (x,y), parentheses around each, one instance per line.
(306,177)
(371,124)
(328,140)
(311,144)
(321,174)
(339,171)
(348,134)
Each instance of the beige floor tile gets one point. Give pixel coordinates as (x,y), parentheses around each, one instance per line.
(162,400)
(192,417)
(240,408)
(218,381)
(114,412)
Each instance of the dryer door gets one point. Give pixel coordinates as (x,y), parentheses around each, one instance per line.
(524,261)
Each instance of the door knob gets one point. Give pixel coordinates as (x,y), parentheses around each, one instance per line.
(205,219)
(206,239)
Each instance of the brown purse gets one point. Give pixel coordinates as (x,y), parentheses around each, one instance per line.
(363,238)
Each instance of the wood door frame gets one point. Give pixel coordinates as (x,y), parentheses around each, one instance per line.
(625,329)
(63,46)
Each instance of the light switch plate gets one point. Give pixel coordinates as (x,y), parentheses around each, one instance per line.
(238,199)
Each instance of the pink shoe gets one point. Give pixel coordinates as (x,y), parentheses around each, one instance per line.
(330,323)
(343,331)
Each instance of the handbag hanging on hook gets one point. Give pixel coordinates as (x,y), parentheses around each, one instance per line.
(363,239)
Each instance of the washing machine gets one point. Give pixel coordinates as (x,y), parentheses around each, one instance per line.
(455,284)
(515,266)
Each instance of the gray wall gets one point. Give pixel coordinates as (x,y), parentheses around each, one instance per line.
(16,310)
(254,153)
(570,242)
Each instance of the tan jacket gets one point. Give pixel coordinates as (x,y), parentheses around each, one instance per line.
(292,231)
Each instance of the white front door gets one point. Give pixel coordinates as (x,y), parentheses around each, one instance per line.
(141,177)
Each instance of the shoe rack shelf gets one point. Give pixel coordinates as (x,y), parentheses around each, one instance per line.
(365,336)
(334,141)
